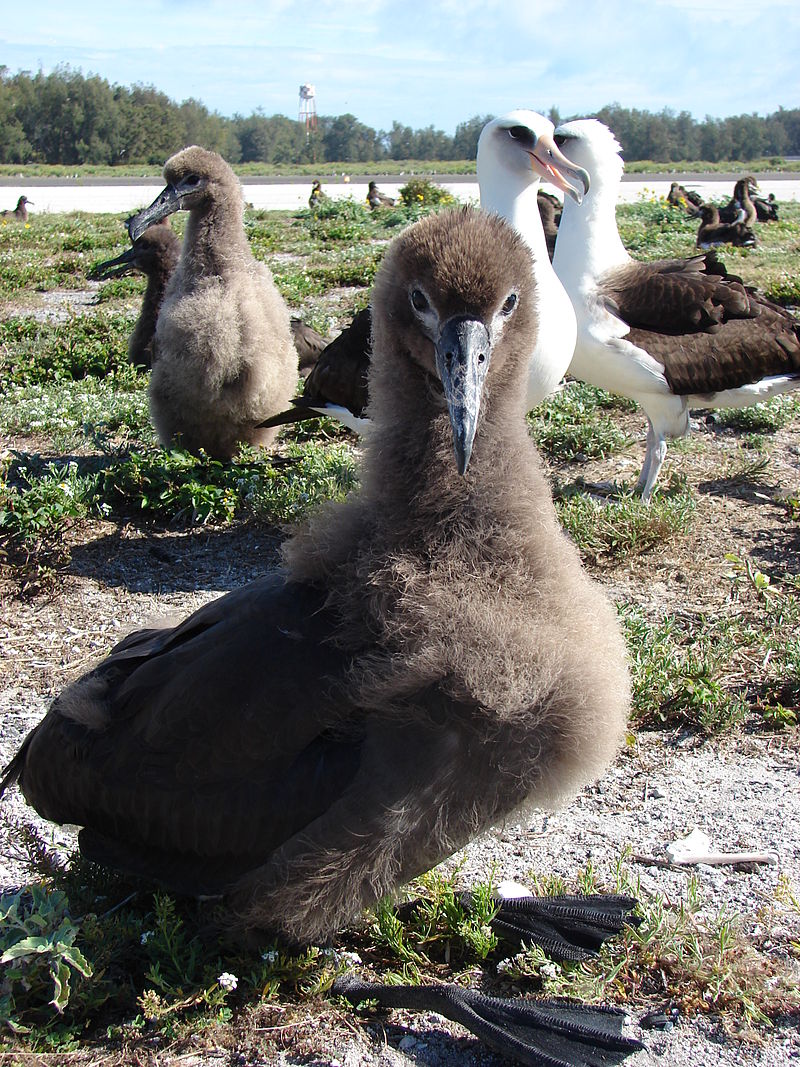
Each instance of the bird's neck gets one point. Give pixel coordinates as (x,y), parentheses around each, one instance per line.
(588,242)
(215,240)
(514,199)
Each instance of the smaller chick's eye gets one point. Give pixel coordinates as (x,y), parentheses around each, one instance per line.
(191,179)
(560,139)
(509,305)
(418,300)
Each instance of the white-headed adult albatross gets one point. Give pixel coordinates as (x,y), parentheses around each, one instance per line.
(432,657)
(671,335)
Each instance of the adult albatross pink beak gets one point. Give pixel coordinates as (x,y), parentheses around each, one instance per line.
(549,161)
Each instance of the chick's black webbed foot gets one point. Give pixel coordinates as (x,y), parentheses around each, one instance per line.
(567,927)
(541,1033)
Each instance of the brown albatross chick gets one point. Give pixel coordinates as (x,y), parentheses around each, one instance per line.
(431,659)
(155,254)
(713,233)
(457,661)
(309,345)
(224,358)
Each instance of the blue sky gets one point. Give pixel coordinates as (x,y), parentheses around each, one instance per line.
(426,63)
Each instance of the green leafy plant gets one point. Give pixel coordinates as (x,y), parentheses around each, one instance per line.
(422,192)
(39,954)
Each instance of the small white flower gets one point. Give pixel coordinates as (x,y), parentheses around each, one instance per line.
(550,970)
(504,965)
(269,957)
(228,981)
(341,958)
(146,936)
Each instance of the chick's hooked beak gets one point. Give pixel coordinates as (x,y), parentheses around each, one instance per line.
(462,360)
(553,165)
(166,203)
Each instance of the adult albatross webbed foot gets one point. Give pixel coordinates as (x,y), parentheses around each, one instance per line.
(542,1033)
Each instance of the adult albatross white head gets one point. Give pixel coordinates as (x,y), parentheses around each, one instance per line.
(515,152)
(672,334)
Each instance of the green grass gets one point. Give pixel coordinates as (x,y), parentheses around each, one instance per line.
(34,352)
(574,424)
(678,954)
(710,673)
(85,954)
(621,527)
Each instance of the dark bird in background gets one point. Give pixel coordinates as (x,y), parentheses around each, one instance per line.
(685,198)
(672,334)
(766,209)
(337,384)
(375,198)
(713,232)
(317,195)
(550,208)
(20,212)
(155,254)
(431,658)
(224,358)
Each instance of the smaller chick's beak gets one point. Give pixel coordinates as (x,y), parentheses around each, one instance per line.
(557,169)
(166,203)
(106,269)
(462,360)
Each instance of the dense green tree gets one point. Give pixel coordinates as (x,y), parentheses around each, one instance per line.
(66,117)
(465,142)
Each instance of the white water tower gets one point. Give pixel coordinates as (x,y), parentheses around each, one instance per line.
(308,108)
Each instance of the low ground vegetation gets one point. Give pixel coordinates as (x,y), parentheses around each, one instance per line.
(706,582)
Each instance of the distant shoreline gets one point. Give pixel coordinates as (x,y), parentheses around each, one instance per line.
(335,179)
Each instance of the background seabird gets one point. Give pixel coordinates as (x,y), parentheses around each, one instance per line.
(670,335)
(224,355)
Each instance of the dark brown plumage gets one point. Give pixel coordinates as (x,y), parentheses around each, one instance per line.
(317,195)
(766,209)
(550,214)
(155,254)
(338,382)
(713,232)
(19,213)
(376,199)
(432,657)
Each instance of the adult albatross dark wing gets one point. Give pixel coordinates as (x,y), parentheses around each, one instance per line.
(431,658)
(671,335)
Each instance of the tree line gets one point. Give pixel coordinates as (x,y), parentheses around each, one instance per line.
(68,118)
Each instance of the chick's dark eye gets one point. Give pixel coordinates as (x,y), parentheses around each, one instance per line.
(560,139)
(418,300)
(510,304)
(191,179)
(519,133)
